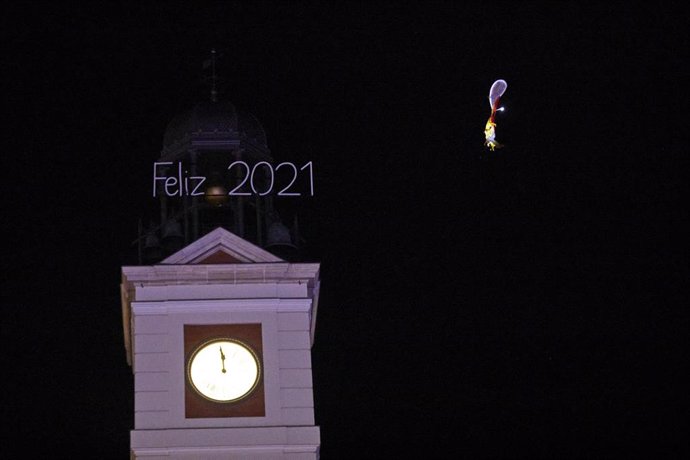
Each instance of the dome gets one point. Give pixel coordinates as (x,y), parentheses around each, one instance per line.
(213,125)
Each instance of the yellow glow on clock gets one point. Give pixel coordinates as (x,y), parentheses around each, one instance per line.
(224,370)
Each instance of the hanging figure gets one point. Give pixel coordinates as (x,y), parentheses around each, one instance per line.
(497,90)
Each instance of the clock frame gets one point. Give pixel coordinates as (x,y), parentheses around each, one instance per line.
(223,370)
(250,405)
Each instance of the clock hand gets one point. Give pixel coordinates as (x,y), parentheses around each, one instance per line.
(222,359)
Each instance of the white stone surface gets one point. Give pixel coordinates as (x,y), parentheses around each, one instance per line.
(237,443)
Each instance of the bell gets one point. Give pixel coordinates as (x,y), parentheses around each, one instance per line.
(152,248)
(173,238)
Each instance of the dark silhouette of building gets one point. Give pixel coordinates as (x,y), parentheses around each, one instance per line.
(215,170)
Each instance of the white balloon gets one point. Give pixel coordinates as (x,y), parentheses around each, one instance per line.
(497,89)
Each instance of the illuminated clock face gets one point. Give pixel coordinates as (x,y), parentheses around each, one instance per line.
(223,370)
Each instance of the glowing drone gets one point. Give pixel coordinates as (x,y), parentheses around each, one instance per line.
(495,93)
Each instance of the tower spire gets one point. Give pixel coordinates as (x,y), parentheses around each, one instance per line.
(214,77)
(211,62)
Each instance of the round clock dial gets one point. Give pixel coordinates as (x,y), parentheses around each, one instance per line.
(223,370)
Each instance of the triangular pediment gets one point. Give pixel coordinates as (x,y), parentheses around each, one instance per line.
(221,247)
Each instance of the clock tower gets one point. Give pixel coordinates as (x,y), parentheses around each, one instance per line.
(219,315)
(219,337)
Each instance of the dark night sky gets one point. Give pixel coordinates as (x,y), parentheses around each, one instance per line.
(518,304)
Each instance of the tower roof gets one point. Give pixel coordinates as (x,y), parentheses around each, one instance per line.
(221,246)
(214,126)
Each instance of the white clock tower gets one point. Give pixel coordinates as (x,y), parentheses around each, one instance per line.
(219,337)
